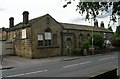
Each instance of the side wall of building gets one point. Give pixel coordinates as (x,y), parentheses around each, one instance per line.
(77,36)
(21,46)
(39,27)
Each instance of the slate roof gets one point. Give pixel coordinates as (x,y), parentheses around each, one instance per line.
(64,25)
(84,27)
(21,25)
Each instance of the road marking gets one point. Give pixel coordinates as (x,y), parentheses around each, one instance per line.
(112,57)
(27,73)
(70,65)
(76,64)
(86,62)
(106,58)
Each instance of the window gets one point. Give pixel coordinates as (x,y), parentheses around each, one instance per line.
(40,39)
(88,35)
(48,38)
(55,39)
(104,35)
(80,39)
(24,33)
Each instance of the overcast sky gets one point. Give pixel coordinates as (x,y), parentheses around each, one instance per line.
(36,8)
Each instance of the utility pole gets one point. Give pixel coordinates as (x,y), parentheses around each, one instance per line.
(92,36)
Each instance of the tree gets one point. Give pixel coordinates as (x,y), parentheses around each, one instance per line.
(85,43)
(110,28)
(98,40)
(116,40)
(118,31)
(96,8)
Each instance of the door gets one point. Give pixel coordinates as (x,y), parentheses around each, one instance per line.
(68,46)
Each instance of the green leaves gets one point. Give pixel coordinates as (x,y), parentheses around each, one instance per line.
(95,8)
(68,2)
(116,38)
(98,40)
(65,6)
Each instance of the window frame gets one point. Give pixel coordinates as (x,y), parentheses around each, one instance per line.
(24,33)
(48,38)
(40,41)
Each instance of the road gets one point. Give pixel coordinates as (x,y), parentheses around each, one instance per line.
(84,67)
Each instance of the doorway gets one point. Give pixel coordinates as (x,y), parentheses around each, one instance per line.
(68,46)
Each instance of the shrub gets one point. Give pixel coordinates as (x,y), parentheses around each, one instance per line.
(85,44)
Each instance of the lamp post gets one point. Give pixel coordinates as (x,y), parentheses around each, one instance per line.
(92,37)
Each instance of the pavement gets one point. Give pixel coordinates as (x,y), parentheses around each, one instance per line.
(20,62)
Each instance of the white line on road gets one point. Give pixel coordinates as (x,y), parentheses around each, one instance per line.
(86,62)
(106,58)
(76,64)
(27,73)
(70,65)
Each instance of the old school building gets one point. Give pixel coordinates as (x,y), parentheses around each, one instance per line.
(44,36)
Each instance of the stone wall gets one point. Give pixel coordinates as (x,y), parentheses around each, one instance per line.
(23,47)
(77,39)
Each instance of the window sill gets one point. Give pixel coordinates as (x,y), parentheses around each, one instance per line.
(41,47)
(23,38)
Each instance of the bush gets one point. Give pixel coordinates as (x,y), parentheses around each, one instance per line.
(85,43)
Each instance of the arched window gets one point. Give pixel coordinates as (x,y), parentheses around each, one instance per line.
(80,39)
(81,36)
(48,37)
(88,35)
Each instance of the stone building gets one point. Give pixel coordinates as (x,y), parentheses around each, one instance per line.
(44,36)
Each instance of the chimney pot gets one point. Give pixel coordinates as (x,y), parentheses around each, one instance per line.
(25,17)
(102,24)
(96,23)
(11,22)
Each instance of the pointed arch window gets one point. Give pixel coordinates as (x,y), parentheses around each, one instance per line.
(80,39)
(88,35)
(48,37)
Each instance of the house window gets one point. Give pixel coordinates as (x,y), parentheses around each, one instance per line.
(24,33)
(80,39)
(40,39)
(104,35)
(48,38)
(55,39)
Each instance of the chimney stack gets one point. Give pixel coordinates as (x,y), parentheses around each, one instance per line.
(96,23)
(102,24)
(25,17)
(11,22)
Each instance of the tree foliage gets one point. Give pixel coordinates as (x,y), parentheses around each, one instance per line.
(98,40)
(85,43)
(110,28)
(116,38)
(96,8)
(118,31)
